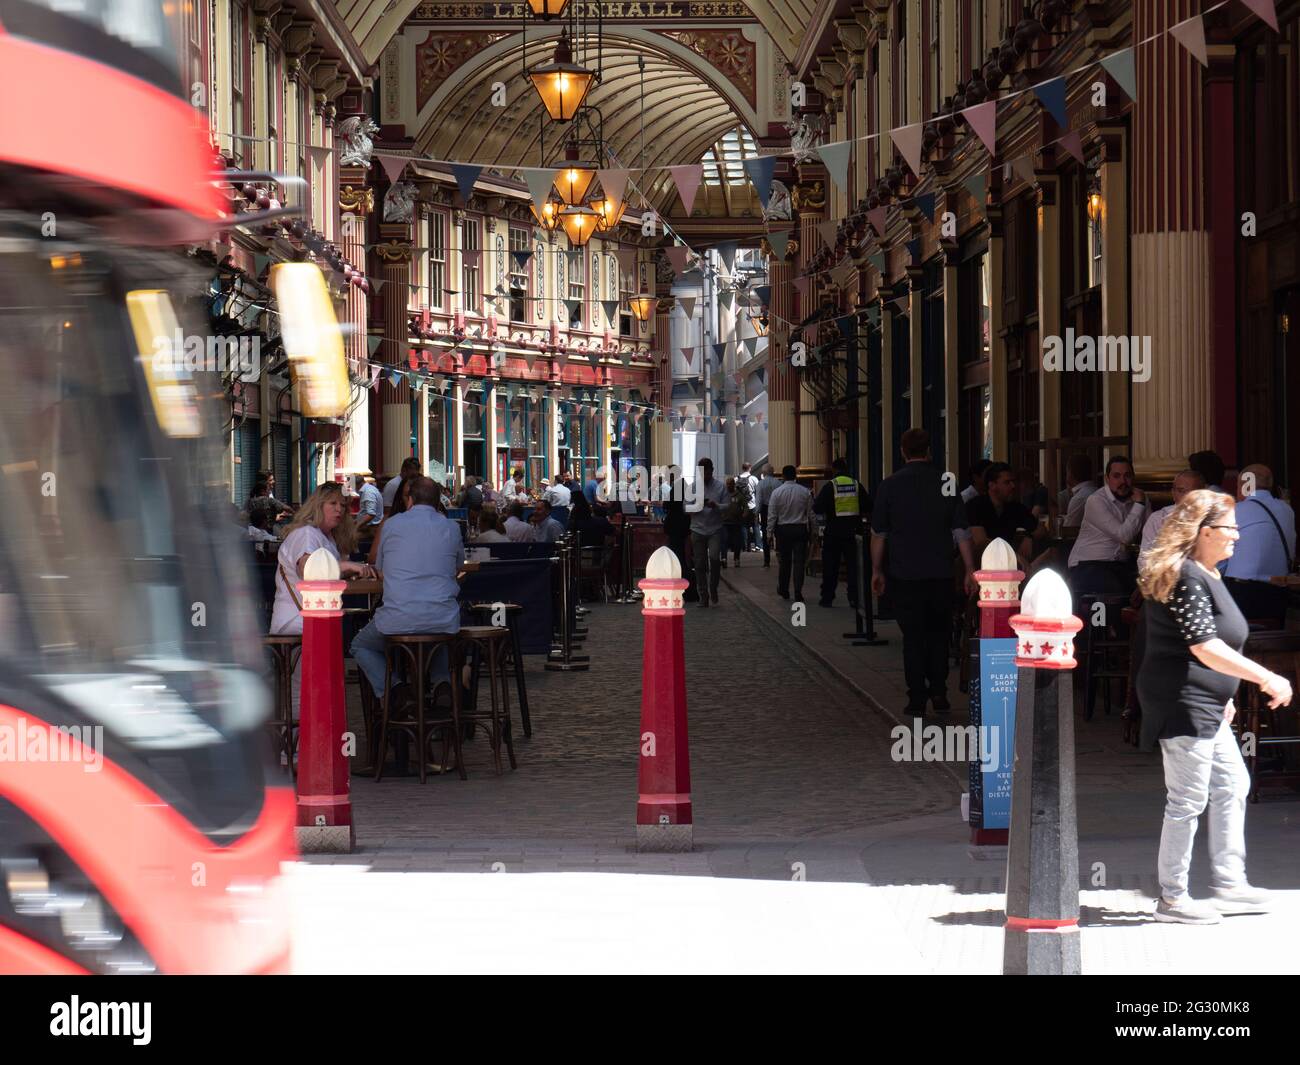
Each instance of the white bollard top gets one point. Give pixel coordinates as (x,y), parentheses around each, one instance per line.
(999,556)
(321,566)
(663,565)
(1046,596)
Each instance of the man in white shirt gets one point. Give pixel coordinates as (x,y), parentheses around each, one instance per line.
(789,512)
(750,483)
(1187,481)
(519,531)
(514,488)
(706,533)
(1265,548)
(976,486)
(410,468)
(1079,485)
(556,494)
(1101,561)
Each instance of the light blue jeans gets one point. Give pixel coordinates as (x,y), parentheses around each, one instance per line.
(1199,773)
(368,650)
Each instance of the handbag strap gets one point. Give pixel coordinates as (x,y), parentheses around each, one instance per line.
(279,572)
(1280,534)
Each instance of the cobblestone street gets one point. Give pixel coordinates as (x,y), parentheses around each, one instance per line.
(792,781)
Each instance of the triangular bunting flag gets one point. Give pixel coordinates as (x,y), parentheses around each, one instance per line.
(1265,9)
(873,313)
(907,139)
(611,311)
(845,323)
(613,183)
(727,253)
(626,259)
(677,256)
(925,202)
(983,119)
(319,155)
(521,259)
(377,284)
(689,353)
(725,298)
(539,184)
(625,357)
(762,376)
(801,286)
(836,158)
(779,241)
(1023,168)
(1190,33)
(393,166)
(759,171)
(259,263)
(687,304)
(465,175)
(530,357)
(877,216)
(764,294)
(827,231)
(374,376)
(751,345)
(573,307)
(914,249)
(977,185)
(720,350)
(1073,144)
(1051,94)
(373,341)
(877,259)
(687,179)
(1120,67)
(594,356)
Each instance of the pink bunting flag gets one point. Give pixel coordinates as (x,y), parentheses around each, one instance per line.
(907,139)
(688,183)
(801,286)
(1265,9)
(983,119)
(877,216)
(689,353)
(677,256)
(393,166)
(1073,144)
(1190,33)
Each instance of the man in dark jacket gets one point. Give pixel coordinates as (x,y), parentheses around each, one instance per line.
(845,505)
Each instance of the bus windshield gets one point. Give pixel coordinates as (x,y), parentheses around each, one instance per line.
(122,592)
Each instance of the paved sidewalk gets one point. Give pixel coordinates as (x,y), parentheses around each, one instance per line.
(815,851)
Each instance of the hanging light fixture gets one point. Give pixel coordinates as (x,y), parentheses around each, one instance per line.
(579,224)
(643,305)
(573,181)
(609,212)
(561,83)
(549,216)
(547,9)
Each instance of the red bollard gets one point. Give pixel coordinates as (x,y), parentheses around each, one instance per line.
(999,580)
(324,801)
(664,821)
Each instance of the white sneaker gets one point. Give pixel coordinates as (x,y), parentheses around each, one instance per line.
(1186,911)
(1241,899)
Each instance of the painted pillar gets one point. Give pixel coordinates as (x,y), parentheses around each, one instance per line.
(1224,224)
(781,376)
(888,453)
(997,344)
(1049,306)
(1115,271)
(951,357)
(394,437)
(1172,251)
(355,202)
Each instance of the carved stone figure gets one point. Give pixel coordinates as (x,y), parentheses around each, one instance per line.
(805,134)
(356,136)
(778,207)
(399,202)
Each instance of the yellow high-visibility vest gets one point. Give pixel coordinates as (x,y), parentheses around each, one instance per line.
(846,497)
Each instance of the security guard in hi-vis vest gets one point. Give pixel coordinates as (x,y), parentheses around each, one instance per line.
(846,505)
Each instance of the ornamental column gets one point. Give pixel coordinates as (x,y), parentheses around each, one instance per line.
(1171,248)
(1049,308)
(781,376)
(355,202)
(393,442)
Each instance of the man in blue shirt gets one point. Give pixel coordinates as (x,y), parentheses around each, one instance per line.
(418,558)
(546,530)
(1265,548)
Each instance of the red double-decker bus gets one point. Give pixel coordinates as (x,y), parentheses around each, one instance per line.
(138,832)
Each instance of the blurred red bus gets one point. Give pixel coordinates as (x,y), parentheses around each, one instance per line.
(138,832)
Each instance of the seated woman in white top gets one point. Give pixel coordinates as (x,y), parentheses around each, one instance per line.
(322,521)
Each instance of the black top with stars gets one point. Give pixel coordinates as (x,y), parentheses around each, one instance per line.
(1183,696)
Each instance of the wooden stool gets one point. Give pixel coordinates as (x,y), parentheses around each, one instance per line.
(515,654)
(285,652)
(417,651)
(1106,648)
(491,642)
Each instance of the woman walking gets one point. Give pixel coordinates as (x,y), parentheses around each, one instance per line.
(1189,674)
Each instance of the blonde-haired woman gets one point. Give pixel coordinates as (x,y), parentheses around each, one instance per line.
(322,521)
(1189,673)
